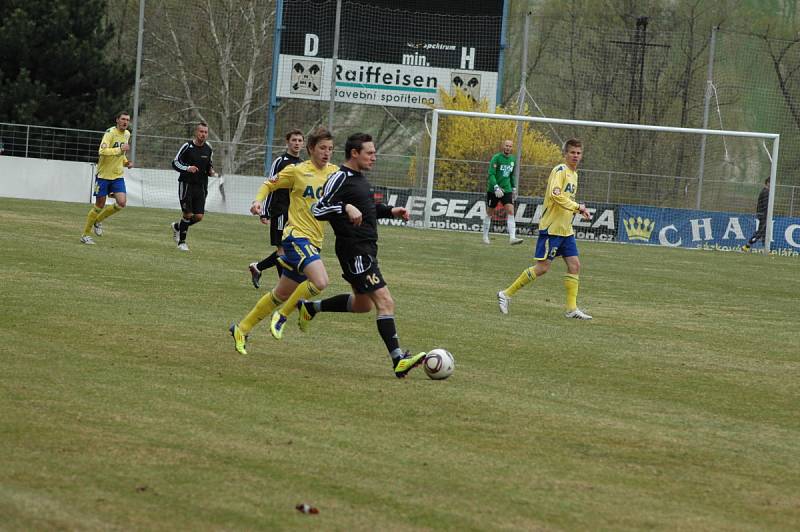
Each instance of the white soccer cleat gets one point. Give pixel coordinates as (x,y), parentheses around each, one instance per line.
(577,314)
(98,228)
(503,300)
(486,240)
(255,274)
(175,233)
(183,247)
(515,241)
(86,239)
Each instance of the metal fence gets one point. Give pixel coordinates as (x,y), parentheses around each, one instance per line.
(157,152)
(597,186)
(49,142)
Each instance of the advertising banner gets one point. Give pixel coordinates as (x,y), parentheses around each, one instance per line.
(379,83)
(465,211)
(702,229)
(389,56)
(636,224)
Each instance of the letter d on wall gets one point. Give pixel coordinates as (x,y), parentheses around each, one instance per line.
(312,45)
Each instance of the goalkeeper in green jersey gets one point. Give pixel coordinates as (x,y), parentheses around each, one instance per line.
(556,236)
(501,188)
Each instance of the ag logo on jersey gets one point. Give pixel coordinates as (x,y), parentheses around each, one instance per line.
(309,192)
(306,77)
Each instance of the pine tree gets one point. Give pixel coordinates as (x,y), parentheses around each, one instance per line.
(55,66)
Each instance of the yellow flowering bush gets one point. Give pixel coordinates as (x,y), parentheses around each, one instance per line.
(466,144)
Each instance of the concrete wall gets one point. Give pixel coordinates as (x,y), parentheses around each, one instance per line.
(147,187)
(44,179)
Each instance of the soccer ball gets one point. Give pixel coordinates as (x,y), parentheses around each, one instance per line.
(439,364)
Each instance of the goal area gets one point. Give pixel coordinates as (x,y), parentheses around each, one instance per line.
(643,184)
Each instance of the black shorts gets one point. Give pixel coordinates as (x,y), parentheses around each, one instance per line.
(276,225)
(492,200)
(363,273)
(192,197)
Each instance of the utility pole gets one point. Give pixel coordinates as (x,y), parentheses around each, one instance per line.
(635,109)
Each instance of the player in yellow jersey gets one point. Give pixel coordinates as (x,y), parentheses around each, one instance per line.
(111,164)
(556,236)
(303,274)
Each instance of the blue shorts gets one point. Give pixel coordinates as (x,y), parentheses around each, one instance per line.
(298,253)
(104,187)
(549,246)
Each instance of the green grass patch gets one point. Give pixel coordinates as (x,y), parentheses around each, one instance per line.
(123,404)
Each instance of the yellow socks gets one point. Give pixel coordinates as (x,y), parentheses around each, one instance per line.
(571,283)
(526,277)
(263,308)
(96,214)
(108,211)
(91,218)
(305,290)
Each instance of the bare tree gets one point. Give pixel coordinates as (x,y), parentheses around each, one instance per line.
(787,67)
(213,66)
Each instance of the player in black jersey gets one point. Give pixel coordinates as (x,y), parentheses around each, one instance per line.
(761,214)
(193,162)
(348,205)
(275,210)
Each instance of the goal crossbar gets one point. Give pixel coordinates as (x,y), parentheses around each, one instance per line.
(611,125)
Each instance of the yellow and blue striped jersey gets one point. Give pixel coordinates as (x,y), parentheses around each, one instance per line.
(112,160)
(559,201)
(305,182)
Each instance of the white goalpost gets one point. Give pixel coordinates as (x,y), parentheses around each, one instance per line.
(748,166)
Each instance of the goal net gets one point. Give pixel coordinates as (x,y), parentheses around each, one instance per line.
(669,186)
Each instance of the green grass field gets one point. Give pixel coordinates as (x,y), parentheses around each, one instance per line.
(124,406)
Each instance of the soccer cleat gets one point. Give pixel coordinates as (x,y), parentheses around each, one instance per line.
(176,234)
(86,239)
(98,228)
(502,301)
(276,325)
(406,363)
(486,240)
(255,274)
(515,241)
(239,339)
(183,247)
(304,317)
(746,248)
(577,314)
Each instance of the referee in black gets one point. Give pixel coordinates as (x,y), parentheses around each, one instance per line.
(275,210)
(348,205)
(194,164)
